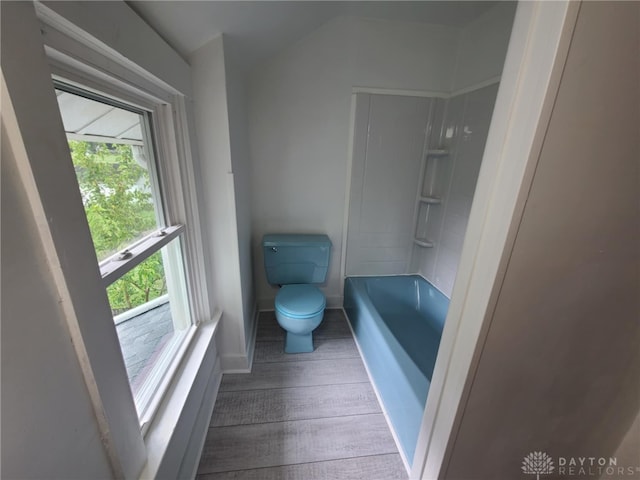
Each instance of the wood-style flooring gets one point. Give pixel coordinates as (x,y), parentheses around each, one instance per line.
(300,416)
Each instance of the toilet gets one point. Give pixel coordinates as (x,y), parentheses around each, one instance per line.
(295,262)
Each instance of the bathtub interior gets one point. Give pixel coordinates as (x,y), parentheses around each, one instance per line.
(409,294)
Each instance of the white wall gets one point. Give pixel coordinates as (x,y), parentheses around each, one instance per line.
(58,338)
(127,36)
(218,105)
(401,55)
(299,113)
(483,46)
(46,407)
(240,160)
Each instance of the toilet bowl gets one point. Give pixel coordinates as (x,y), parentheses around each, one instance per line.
(299,310)
(294,262)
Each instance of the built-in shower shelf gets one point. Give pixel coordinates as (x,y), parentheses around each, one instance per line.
(437,152)
(423,242)
(431,200)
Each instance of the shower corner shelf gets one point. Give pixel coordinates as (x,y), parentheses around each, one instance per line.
(431,200)
(423,242)
(437,152)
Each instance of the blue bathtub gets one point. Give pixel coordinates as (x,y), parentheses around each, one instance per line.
(398,322)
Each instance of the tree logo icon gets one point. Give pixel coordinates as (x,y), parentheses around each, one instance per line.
(537,463)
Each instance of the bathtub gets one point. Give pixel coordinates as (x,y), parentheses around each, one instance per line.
(397,322)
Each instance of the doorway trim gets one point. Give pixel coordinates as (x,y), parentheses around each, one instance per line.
(535,59)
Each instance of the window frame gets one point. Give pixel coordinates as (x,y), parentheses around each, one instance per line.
(77,66)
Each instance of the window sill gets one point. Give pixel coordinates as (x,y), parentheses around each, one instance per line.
(172,426)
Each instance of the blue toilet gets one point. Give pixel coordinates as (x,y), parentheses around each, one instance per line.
(295,262)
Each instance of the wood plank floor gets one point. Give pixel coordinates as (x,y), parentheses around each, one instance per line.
(302,416)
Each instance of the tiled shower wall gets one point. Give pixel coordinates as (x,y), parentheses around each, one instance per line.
(389,144)
(453,178)
(389,136)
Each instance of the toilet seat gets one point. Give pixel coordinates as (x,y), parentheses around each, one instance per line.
(300,301)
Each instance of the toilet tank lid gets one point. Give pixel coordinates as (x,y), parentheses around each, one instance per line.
(295,240)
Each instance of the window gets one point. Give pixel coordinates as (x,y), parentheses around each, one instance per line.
(138,247)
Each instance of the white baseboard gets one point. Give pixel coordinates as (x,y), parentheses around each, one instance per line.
(335,301)
(265,304)
(235,363)
(251,342)
(241,362)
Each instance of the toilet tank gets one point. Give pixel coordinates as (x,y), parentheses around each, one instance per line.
(296,258)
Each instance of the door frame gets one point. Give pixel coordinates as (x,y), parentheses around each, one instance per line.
(533,67)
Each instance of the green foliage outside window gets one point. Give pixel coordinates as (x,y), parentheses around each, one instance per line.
(117,199)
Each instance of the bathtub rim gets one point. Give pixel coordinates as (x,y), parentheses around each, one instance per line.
(379,320)
(363,301)
(344,279)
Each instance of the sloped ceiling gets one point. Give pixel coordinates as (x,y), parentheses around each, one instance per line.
(257,30)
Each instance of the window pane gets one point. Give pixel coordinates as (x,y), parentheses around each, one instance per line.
(110,159)
(139,286)
(117,175)
(147,317)
(116,194)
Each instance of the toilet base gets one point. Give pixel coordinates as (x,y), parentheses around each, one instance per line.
(296,343)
